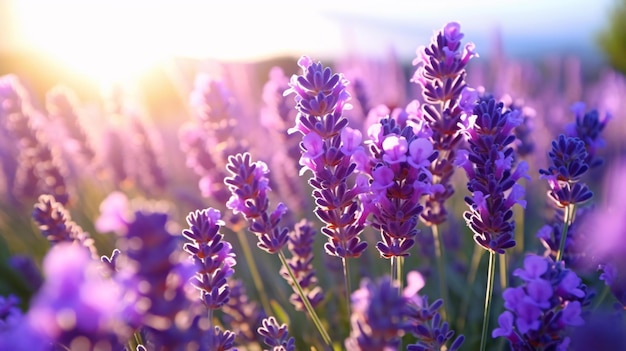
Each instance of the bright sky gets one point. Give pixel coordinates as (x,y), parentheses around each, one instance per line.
(120,37)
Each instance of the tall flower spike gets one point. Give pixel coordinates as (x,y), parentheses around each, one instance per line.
(62,105)
(276,336)
(441,75)
(489,165)
(211,137)
(538,313)
(152,272)
(38,168)
(57,226)
(568,164)
(378,319)
(588,127)
(212,256)
(242,314)
(400,181)
(249,187)
(76,308)
(301,242)
(321,97)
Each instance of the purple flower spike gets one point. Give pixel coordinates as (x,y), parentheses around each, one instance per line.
(490,169)
(249,187)
(301,242)
(400,181)
(75,301)
(34,166)
(56,225)
(568,164)
(588,127)
(441,74)
(276,336)
(332,152)
(378,316)
(211,255)
(540,311)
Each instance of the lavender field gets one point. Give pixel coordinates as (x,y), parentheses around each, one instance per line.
(455,202)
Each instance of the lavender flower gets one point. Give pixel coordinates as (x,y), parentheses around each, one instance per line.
(400,180)
(212,137)
(220,340)
(57,226)
(10,312)
(40,170)
(28,270)
(249,187)
(62,105)
(75,307)
(540,311)
(212,256)
(489,165)
(148,169)
(378,316)
(152,272)
(425,322)
(241,314)
(300,245)
(441,75)
(588,127)
(276,336)
(277,114)
(321,97)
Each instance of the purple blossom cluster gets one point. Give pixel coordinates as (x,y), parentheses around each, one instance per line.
(321,97)
(300,245)
(441,75)
(210,139)
(31,165)
(490,167)
(376,171)
(382,314)
(249,186)
(56,225)
(400,157)
(540,311)
(212,256)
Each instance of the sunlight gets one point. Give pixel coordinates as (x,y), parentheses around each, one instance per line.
(113,41)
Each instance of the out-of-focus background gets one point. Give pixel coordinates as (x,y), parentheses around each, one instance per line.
(91,44)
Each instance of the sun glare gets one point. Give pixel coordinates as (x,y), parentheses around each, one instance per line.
(115,40)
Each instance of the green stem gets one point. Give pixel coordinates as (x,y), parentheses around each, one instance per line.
(488,293)
(568,216)
(305,300)
(603,295)
(254,272)
(441,268)
(396,271)
(346,277)
(503,273)
(473,272)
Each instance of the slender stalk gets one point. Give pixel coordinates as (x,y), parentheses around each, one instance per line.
(441,268)
(346,277)
(503,273)
(305,300)
(396,270)
(603,295)
(473,272)
(568,216)
(488,293)
(254,272)
(519,230)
